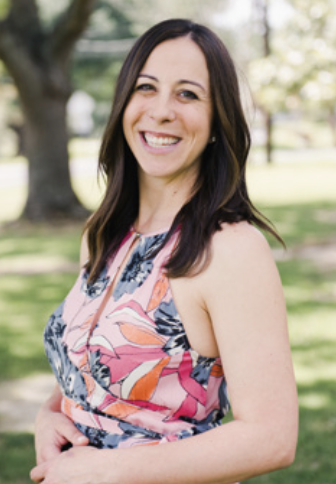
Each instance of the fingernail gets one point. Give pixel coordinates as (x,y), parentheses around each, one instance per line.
(81,439)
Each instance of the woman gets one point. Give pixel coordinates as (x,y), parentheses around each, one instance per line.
(172,241)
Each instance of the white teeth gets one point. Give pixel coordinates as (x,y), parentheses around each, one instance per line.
(159,141)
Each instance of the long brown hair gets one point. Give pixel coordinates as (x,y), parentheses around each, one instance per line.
(220,194)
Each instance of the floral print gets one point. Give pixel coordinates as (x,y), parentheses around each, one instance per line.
(97,288)
(131,377)
(69,377)
(169,324)
(139,266)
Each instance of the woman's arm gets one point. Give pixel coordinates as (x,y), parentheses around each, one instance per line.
(243,296)
(242,293)
(53,430)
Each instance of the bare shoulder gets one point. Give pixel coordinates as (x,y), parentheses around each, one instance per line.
(241,262)
(242,277)
(239,241)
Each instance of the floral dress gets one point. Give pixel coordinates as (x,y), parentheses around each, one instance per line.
(122,359)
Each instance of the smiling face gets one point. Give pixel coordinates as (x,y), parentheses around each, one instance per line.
(167,122)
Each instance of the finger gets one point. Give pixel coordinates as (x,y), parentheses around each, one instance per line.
(37,474)
(72,434)
(75,437)
(48,453)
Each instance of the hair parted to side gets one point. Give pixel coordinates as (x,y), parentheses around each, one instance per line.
(220,194)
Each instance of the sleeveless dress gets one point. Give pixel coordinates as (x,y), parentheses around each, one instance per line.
(122,359)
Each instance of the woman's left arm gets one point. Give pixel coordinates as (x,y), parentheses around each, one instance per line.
(242,293)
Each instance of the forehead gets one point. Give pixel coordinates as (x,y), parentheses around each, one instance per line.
(180,58)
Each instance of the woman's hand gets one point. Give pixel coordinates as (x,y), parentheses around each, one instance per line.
(78,465)
(54,431)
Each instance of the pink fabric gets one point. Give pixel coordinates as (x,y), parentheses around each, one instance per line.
(132,378)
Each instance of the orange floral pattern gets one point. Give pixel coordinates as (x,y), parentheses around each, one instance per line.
(130,377)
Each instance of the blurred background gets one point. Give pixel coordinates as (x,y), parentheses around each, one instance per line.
(58,66)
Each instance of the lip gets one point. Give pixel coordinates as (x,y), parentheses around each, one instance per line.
(161,149)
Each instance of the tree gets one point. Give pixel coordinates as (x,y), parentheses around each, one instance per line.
(38,61)
(313,34)
(262,14)
(300,72)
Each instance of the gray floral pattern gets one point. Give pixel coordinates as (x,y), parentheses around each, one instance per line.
(96,288)
(67,374)
(139,266)
(169,324)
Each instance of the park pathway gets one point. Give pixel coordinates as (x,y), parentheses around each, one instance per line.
(20,400)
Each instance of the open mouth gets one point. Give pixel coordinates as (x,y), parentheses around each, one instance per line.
(155,141)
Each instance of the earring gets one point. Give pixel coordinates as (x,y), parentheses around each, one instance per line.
(212,139)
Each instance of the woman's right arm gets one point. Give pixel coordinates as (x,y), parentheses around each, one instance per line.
(53,430)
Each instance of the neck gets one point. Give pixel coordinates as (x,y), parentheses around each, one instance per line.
(159,203)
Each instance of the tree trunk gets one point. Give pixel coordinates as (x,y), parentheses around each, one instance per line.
(50,194)
(38,60)
(262,10)
(269,136)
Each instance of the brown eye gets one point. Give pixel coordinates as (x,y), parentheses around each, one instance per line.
(144,87)
(188,95)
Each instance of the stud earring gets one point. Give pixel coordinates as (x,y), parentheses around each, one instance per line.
(212,139)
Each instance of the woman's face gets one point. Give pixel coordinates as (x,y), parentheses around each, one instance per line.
(167,122)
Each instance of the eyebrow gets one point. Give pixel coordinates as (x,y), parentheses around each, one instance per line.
(181,81)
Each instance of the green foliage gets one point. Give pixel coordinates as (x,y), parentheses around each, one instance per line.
(4,8)
(300,72)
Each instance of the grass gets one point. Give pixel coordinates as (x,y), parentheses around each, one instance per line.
(301,199)
(16,458)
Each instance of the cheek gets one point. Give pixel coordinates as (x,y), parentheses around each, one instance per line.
(132,114)
(125,120)
(202,131)
(127,125)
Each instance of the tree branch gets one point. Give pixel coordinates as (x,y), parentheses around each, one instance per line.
(68,28)
(21,36)
(3,32)
(23,18)
(20,65)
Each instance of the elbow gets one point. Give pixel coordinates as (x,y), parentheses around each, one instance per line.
(287,456)
(284,437)
(283,454)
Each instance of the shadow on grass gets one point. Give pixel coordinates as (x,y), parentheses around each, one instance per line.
(17,457)
(33,240)
(303,223)
(308,288)
(25,306)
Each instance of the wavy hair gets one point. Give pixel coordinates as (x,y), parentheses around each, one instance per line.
(220,193)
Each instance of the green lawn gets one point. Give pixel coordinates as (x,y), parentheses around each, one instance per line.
(301,200)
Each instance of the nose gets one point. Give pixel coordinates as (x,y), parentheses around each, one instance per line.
(162,108)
